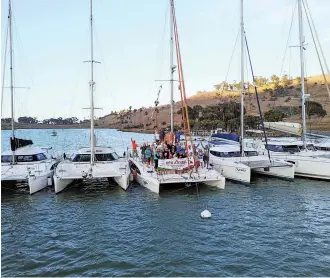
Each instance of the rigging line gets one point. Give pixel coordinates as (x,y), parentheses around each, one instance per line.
(103,64)
(180,74)
(317,38)
(247,79)
(161,46)
(317,51)
(182,87)
(20,45)
(4,69)
(231,59)
(288,40)
(257,96)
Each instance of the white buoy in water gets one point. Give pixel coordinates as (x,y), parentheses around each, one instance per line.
(206,214)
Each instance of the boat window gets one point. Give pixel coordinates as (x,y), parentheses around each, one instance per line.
(291,149)
(24,158)
(310,147)
(115,156)
(40,156)
(274,148)
(82,158)
(226,154)
(6,158)
(251,153)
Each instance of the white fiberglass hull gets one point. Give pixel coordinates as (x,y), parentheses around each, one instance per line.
(232,170)
(239,168)
(36,175)
(67,171)
(153,180)
(307,166)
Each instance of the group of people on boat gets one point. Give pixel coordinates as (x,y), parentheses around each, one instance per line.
(162,149)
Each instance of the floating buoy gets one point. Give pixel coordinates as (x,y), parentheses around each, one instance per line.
(49,181)
(206,214)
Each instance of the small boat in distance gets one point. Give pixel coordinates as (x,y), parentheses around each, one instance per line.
(54,133)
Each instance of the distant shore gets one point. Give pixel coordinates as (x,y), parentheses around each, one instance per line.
(84,126)
(74,126)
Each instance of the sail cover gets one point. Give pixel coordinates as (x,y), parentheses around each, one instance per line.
(292,128)
(16,143)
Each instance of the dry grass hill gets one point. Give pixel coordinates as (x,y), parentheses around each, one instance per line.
(142,119)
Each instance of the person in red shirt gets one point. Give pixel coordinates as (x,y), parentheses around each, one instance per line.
(134,147)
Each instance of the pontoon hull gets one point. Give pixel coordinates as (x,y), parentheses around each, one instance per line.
(233,171)
(36,180)
(154,181)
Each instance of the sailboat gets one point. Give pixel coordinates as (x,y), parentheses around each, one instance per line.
(232,158)
(175,170)
(24,162)
(308,162)
(94,162)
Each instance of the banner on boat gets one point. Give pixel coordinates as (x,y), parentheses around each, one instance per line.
(173,164)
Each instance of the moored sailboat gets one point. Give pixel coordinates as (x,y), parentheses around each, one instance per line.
(94,162)
(180,171)
(228,153)
(24,162)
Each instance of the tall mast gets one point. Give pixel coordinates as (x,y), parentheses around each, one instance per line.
(91,85)
(11,75)
(242,80)
(302,67)
(172,69)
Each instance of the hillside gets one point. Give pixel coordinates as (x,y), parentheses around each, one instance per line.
(286,99)
(283,97)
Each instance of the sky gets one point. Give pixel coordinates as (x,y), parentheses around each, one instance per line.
(131,40)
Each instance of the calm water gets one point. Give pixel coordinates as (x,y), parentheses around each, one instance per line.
(272,227)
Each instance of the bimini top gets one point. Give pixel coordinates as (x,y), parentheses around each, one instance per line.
(28,150)
(227,136)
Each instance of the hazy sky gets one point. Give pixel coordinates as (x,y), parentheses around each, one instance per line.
(51,41)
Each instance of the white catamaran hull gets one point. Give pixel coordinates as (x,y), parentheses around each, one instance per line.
(232,171)
(35,175)
(239,168)
(307,166)
(67,172)
(153,181)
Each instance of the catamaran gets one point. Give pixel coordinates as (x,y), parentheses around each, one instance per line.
(24,162)
(228,154)
(175,170)
(307,161)
(94,162)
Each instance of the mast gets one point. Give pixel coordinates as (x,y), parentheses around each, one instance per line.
(242,80)
(91,85)
(11,77)
(172,69)
(302,67)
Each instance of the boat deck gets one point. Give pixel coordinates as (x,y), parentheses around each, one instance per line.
(264,164)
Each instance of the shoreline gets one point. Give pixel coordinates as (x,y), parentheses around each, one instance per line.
(76,126)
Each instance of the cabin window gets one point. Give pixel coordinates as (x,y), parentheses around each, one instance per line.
(82,158)
(226,154)
(308,147)
(24,158)
(274,148)
(251,153)
(291,149)
(104,157)
(40,156)
(115,155)
(6,159)
(98,157)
